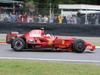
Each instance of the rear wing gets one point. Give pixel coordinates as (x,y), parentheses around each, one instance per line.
(11,36)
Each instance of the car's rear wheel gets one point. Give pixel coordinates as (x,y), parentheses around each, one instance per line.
(79,46)
(18,44)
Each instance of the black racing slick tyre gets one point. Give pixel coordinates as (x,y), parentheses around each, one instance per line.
(79,46)
(18,44)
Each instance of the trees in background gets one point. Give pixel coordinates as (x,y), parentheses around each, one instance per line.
(44,5)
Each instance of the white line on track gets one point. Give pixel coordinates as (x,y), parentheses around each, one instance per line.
(97,46)
(55,60)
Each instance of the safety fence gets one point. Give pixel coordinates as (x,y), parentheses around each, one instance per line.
(57,29)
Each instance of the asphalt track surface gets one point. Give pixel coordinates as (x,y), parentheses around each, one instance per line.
(48,55)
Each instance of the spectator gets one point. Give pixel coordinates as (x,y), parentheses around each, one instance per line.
(13,18)
(45,19)
(24,17)
(93,19)
(75,19)
(60,19)
(72,20)
(29,18)
(82,20)
(6,16)
(55,19)
(50,19)
(40,20)
(89,18)
(68,18)
(20,18)
(36,19)
(64,19)
(32,18)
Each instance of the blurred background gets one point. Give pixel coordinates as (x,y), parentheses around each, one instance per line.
(51,11)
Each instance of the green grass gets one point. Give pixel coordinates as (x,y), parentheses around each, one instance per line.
(12,67)
(2,40)
(97,44)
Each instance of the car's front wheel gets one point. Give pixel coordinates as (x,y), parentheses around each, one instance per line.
(18,44)
(79,46)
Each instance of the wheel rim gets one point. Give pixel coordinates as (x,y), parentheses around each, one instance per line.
(79,45)
(18,44)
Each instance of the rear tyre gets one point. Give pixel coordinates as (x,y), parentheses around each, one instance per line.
(79,46)
(18,44)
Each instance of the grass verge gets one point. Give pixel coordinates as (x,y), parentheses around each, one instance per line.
(97,44)
(2,40)
(13,67)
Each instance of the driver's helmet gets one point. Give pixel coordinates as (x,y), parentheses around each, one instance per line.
(48,35)
(42,28)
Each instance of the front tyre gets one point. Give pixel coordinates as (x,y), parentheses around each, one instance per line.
(18,44)
(79,46)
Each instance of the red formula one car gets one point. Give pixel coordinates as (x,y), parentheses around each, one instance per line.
(37,39)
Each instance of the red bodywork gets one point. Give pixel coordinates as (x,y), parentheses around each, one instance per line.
(37,39)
